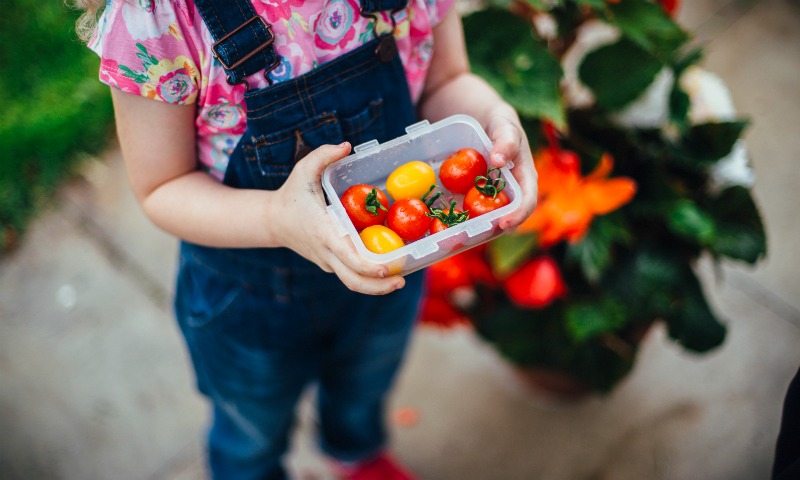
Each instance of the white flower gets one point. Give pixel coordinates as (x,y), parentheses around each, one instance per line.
(545,25)
(734,169)
(710,100)
(651,108)
(590,36)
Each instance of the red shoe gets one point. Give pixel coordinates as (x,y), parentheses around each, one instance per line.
(381,467)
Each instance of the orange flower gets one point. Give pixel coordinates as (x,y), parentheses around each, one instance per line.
(568,202)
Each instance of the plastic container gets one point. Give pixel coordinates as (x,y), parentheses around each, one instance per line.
(372,163)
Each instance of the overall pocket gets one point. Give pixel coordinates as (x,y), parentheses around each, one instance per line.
(270,158)
(368,124)
(203,297)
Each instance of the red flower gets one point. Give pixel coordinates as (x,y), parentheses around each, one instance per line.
(670,6)
(569,202)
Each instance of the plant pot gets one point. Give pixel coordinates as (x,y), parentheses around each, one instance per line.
(552,385)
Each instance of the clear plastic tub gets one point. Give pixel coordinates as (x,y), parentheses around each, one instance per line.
(371,163)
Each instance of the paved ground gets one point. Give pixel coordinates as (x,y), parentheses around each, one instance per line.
(94,382)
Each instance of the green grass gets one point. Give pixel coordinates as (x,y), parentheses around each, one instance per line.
(53,108)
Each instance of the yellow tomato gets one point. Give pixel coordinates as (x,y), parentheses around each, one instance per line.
(410,180)
(380,239)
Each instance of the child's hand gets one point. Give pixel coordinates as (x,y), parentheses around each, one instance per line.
(511,145)
(304,226)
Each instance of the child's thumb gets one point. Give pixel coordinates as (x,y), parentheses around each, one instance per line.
(320,158)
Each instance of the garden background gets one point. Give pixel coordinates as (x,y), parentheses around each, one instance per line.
(94,382)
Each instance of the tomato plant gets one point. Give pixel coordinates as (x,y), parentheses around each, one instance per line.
(486,195)
(410,180)
(459,170)
(365,205)
(443,220)
(380,239)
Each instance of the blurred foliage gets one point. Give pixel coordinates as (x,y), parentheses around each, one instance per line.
(635,265)
(54,108)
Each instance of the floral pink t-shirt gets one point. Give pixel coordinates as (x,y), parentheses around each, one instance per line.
(161,49)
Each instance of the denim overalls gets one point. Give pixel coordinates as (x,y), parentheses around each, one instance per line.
(261,324)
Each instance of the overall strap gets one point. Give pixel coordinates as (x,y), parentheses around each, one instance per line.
(243,41)
(375,6)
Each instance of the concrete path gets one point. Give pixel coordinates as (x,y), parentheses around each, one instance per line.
(95,383)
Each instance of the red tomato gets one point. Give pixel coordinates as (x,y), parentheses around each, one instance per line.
(459,170)
(477,203)
(437,226)
(408,217)
(536,284)
(486,195)
(443,220)
(365,205)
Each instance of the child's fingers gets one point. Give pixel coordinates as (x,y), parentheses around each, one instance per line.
(365,284)
(344,250)
(321,157)
(506,137)
(525,174)
(315,163)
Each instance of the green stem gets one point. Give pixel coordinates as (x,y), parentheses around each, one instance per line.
(449,218)
(429,201)
(372,204)
(491,186)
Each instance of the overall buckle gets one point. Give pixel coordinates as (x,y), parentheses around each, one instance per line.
(251,54)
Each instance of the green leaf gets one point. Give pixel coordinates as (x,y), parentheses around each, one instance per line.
(691,322)
(686,60)
(647,25)
(709,142)
(503,50)
(679,104)
(646,279)
(593,252)
(543,5)
(618,73)
(589,319)
(507,252)
(596,4)
(740,230)
(689,221)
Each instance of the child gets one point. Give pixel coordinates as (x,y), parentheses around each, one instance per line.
(227,114)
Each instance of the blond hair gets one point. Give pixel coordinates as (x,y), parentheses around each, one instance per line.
(87,22)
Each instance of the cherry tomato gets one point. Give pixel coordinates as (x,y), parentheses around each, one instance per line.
(477,203)
(408,217)
(536,284)
(410,180)
(486,195)
(365,205)
(380,239)
(445,219)
(459,170)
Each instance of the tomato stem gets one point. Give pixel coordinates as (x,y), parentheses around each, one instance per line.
(490,186)
(450,218)
(429,201)
(372,204)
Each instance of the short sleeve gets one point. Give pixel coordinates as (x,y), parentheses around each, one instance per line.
(149,51)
